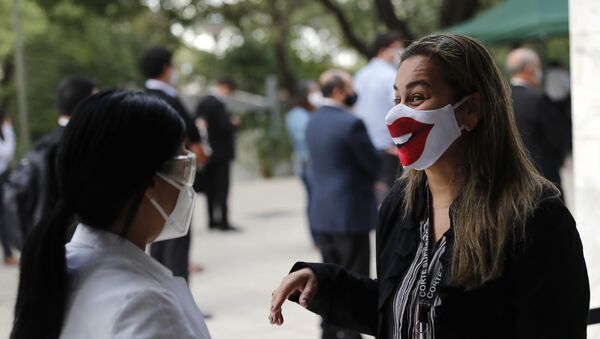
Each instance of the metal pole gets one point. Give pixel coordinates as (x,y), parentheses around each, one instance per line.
(24,136)
(271,89)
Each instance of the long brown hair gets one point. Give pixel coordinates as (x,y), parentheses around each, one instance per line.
(501,187)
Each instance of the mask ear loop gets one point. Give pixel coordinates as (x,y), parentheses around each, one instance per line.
(461,101)
(159,208)
(170,181)
(457,105)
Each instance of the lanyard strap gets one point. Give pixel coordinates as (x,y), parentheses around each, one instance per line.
(427,287)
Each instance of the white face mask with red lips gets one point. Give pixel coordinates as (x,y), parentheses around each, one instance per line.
(422,136)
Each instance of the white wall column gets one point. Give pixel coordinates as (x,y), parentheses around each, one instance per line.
(584,22)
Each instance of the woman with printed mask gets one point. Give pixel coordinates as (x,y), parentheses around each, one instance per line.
(473,242)
(124,175)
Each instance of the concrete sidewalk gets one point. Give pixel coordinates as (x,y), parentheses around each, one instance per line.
(242,269)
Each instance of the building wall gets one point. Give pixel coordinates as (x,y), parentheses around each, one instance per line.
(584,21)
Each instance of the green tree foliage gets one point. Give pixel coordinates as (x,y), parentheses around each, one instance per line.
(102,40)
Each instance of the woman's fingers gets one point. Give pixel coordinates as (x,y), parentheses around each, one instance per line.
(285,289)
(308,292)
(303,281)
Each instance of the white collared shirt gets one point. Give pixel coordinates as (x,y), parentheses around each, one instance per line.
(7,146)
(118,291)
(374,84)
(161,86)
(518,82)
(326,101)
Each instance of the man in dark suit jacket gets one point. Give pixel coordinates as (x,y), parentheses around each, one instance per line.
(156,65)
(221,129)
(70,92)
(343,168)
(543,129)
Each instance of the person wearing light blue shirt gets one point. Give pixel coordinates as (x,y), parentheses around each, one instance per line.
(7,151)
(296,121)
(374,84)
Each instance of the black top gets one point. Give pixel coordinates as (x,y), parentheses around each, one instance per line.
(544,130)
(191,131)
(48,144)
(220,129)
(543,293)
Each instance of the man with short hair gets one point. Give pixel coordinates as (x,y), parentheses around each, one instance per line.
(31,190)
(343,168)
(374,84)
(157,66)
(543,129)
(70,92)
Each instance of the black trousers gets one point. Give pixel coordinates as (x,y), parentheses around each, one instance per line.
(6,247)
(353,252)
(174,254)
(217,192)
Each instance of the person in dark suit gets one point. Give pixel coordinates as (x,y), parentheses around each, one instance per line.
(472,241)
(343,168)
(70,92)
(544,130)
(157,66)
(221,131)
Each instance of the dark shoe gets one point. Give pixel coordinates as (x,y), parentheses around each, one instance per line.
(229,228)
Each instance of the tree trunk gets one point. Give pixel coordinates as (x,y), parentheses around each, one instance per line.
(281,31)
(360,46)
(387,14)
(456,11)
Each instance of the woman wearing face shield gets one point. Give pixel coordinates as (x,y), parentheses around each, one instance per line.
(126,179)
(472,241)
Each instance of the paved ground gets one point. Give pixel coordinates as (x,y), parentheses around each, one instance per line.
(241,269)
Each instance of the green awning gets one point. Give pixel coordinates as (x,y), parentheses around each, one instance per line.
(518,20)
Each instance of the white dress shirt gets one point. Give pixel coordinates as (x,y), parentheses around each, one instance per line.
(374,84)
(118,291)
(7,146)
(161,86)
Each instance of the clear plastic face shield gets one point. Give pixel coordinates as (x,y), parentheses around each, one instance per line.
(179,171)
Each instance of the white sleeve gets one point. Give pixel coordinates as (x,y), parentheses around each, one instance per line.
(151,314)
(7,146)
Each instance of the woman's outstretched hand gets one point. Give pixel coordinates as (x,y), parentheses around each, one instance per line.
(303,282)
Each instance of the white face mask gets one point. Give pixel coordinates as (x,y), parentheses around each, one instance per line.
(315,99)
(397,56)
(177,223)
(174,78)
(421,137)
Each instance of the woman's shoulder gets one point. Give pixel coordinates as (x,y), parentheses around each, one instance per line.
(151,313)
(93,271)
(125,302)
(394,197)
(551,214)
(551,227)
